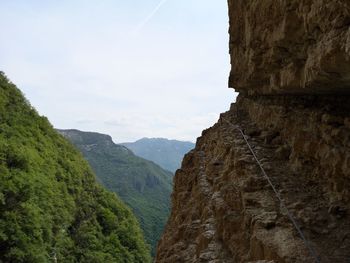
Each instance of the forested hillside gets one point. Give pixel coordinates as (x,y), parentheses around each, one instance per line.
(51,208)
(167,153)
(143,185)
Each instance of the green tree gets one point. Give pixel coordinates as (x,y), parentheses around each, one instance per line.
(50,203)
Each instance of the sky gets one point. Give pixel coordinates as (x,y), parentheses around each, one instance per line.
(130,69)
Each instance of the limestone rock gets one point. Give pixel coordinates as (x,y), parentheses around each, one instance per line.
(224,209)
(290,46)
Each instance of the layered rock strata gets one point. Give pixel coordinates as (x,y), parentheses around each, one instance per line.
(291,64)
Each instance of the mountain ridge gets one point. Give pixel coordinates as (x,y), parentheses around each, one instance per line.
(140,183)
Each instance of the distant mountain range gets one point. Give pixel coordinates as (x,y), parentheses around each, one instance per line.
(167,153)
(140,183)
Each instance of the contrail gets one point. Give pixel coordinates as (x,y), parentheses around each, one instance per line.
(149,17)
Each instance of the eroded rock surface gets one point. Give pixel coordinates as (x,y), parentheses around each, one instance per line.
(290,46)
(224,210)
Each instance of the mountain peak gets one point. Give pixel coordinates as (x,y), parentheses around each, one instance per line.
(167,153)
(160,139)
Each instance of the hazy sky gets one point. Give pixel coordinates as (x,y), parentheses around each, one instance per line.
(127,68)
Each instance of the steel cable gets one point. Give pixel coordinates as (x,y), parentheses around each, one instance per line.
(282,204)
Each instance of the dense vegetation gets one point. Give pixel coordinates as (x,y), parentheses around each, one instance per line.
(143,185)
(50,205)
(166,153)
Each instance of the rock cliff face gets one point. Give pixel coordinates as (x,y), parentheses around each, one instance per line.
(290,63)
(290,46)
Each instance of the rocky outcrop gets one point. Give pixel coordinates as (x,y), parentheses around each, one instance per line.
(316,129)
(290,46)
(224,209)
(290,63)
